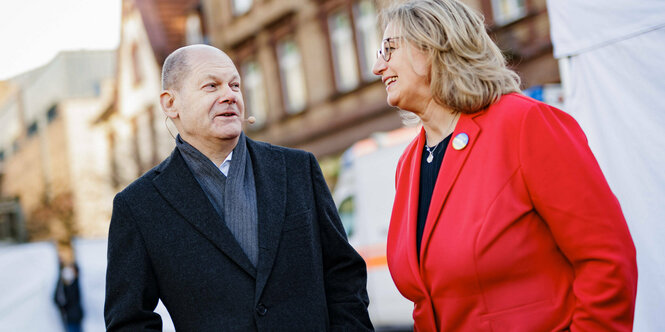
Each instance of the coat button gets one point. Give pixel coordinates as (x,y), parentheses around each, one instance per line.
(261,309)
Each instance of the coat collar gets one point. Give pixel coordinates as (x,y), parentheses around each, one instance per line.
(177,185)
(270,180)
(453,161)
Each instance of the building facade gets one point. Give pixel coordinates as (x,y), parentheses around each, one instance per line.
(139,135)
(50,149)
(306,68)
(306,65)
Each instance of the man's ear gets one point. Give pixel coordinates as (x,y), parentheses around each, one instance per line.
(167,100)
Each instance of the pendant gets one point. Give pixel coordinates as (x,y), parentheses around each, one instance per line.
(430,158)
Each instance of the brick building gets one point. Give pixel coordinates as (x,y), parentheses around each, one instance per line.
(306,65)
(49,148)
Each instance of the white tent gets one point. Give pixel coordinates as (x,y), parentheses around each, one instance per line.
(612,59)
(28,275)
(27,284)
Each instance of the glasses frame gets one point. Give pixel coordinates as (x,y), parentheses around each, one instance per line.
(386,50)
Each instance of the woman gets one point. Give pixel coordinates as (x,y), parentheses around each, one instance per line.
(503,220)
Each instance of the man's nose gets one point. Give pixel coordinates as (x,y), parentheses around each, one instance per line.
(228,96)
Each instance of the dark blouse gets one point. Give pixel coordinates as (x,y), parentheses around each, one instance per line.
(428,174)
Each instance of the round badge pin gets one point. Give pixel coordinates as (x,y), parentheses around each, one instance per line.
(460,141)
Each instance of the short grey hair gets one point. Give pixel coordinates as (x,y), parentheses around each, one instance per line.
(174,69)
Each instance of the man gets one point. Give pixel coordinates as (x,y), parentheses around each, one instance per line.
(231,234)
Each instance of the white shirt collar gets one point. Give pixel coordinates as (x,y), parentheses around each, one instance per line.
(224,167)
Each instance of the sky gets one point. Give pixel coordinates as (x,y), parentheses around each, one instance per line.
(33,32)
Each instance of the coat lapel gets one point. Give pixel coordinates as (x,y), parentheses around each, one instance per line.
(453,161)
(413,170)
(270,179)
(179,188)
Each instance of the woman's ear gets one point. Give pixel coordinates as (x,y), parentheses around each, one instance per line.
(167,100)
(420,61)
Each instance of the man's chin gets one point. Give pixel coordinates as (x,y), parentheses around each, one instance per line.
(229,133)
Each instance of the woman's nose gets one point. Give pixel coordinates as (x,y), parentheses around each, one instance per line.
(379,66)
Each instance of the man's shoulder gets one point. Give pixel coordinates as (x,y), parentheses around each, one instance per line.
(144,182)
(139,186)
(290,152)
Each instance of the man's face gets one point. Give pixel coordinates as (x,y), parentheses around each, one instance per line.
(209,101)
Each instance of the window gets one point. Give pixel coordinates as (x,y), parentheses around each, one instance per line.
(354,38)
(97,87)
(136,65)
(52,113)
(292,76)
(506,11)
(241,6)
(254,92)
(114,169)
(343,52)
(367,36)
(193,31)
(136,147)
(32,129)
(12,227)
(154,160)
(346,214)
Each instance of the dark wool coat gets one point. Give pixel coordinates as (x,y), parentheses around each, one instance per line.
(166,241)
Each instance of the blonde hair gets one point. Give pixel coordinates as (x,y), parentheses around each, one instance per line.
(467,70)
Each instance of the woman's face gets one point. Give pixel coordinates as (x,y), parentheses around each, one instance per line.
(405,74)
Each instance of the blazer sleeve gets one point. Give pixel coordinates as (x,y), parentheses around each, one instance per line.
(344,270)
(569,191)
(131,287)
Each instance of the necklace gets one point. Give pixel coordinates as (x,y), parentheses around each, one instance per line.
(431,155)
(431,151)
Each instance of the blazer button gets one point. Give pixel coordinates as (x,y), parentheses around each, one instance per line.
(261,309)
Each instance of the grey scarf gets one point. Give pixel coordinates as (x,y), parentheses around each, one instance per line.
(234,197)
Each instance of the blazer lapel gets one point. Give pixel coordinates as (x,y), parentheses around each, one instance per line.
(270,179)
(178,186)
(413,170)
(453,161)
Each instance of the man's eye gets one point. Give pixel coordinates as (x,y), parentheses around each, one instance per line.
(235,85)
(211,85)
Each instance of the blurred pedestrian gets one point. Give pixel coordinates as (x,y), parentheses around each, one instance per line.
(502,219)
(231,234)
(68,296)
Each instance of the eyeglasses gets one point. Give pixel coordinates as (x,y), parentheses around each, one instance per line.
(387,48)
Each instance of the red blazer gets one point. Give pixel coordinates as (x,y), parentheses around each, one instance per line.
(523,232)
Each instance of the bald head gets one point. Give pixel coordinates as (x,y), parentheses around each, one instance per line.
(176,65)
(202,96)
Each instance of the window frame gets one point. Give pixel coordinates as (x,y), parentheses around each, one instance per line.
(336,63)
(499,18)
(261,121)
(349,6)
(283,28)
(289,108)
(372,50)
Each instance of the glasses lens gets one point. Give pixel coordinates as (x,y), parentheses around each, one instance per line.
(385,50)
